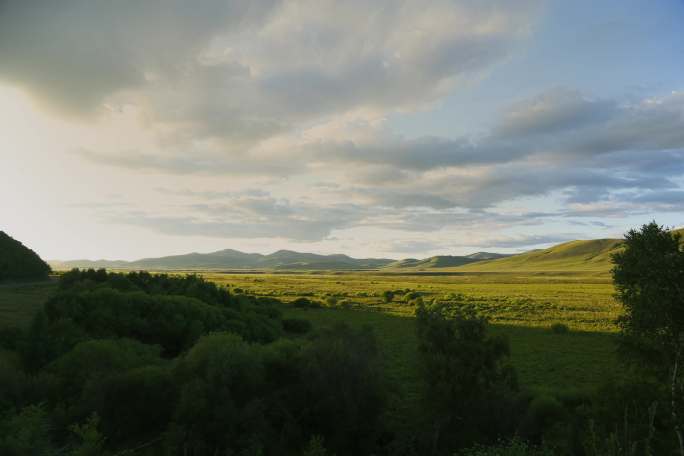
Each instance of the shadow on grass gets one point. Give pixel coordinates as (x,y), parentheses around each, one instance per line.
(544,360)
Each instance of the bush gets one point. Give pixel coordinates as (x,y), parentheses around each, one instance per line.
(543,413)
(331,301)
(387,296)
(412,295)
(306,303)
(136,405)
(296,325)
(560,328)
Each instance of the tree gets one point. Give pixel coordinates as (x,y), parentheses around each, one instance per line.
(19,262)
(468,384)
(649,278)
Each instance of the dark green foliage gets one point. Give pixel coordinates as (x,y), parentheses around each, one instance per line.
(513,447)
(306,303)
(387,295)
(345,390)
(169,311)
(137,404)
(296,325)
(38,349)
(91,361)
(189,285)
(26,433)
(13,382)
(648,276)
(176,365)
(628,417)
(560,328)
(19,262)
(468,386)
(235,394)
(649,279)
(221,379)
(174,322)
(89,439)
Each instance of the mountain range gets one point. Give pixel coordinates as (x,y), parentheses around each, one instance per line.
(280,260)
(234,259)
(579,255)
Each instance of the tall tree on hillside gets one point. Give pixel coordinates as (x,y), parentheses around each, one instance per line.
(649,278)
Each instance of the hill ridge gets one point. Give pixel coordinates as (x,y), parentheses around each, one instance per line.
(17,261)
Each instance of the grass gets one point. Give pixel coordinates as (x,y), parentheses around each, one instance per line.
(521,306)
(582,302)
(19,301)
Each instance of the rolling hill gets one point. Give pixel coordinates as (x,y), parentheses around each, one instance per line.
(592,255)
(234,259)
(18,261)
(587,255)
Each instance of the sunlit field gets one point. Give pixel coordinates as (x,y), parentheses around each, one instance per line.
(523,307)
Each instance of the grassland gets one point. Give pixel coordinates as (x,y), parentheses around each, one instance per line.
(520,306)
(19,301)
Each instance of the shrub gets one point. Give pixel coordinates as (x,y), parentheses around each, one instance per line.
(331,301)
(412,295)
(560,328)
(296,325)
(387,296)
(306,303)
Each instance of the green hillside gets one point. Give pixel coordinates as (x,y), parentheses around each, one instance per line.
(593,255)
(588,255)
(18,261)
(443,261)
(440,261)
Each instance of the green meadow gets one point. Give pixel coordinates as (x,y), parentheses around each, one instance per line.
(521,306)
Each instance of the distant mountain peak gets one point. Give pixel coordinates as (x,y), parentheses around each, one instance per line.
(235,259)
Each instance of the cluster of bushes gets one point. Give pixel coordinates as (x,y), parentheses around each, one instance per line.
(176,365)
(407,296)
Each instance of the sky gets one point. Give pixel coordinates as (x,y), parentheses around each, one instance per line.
(395,129)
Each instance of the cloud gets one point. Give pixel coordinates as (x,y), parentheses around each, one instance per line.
(281,95)
(76,53)
(523,241)
(245,215)
(193,164)
(243,72)
(556,110)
